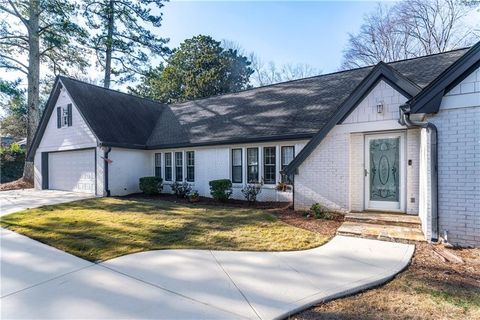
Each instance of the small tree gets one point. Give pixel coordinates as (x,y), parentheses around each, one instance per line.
(251,191)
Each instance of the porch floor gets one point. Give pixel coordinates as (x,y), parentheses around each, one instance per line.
(382,226)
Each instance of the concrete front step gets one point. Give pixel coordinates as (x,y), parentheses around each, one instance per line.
(380,231)
(393,219)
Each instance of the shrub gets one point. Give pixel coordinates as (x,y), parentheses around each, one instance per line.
(194,196)
(12,161)
(251,191)
(150,185)
(221,189)
(321,212)
(181,190)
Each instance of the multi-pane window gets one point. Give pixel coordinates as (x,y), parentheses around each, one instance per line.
(237,165)
(168,166)
(252,165)
(190,166)
(288,153)
(178,166)
(158,165)
(269,165)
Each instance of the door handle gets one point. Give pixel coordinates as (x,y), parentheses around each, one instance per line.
(366,172)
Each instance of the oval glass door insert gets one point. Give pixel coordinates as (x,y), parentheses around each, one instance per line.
(384,169)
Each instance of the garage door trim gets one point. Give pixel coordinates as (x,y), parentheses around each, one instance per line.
(45,173)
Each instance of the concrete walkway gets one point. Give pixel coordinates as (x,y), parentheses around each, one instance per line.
(42,282)
(17,200)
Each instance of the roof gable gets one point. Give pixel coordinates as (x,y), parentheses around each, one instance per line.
(429,99)
(381,72)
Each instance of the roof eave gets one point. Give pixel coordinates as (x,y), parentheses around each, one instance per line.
(429,99)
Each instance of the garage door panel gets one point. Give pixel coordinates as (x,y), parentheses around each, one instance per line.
(72,171)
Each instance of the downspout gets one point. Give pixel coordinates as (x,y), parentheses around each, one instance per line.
(105,182)
(405,120)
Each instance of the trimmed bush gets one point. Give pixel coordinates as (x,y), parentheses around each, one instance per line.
(151,185)
(321,212)
(12,161)
(251,191)
(221,189)
(181,190)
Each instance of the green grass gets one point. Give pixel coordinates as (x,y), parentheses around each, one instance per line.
(104,228)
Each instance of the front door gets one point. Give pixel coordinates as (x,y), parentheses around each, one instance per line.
(385,171)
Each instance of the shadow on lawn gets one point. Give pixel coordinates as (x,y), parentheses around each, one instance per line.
(101,229)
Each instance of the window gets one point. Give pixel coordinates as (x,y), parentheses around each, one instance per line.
(190,166)
(178,166)
(237,166)
(252,165)
(158,165)
(64,116)
(168,166)
(269,165)
(288,153)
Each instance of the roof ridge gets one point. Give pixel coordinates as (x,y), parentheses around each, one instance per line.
(264,86)
(113,90)
(430,55)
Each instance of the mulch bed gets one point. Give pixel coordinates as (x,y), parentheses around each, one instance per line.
(15,185)
(210,202)
(298,219)
(429,288)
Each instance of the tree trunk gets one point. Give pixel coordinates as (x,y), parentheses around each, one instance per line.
(108,61)
(33,78)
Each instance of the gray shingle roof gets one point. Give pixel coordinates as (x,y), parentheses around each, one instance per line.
(115,117)
(291,109)
(294,109)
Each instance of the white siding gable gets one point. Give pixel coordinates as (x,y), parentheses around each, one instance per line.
(78,135)
(383,93)
(465,94)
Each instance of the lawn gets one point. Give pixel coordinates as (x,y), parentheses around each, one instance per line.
(104,228)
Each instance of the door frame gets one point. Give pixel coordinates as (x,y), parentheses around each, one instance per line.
(402,188)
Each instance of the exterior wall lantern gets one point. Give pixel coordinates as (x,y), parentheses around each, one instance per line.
(380,107)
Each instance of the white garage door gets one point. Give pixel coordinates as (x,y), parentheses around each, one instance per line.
(72,171)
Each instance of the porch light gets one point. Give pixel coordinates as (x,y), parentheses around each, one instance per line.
(380,107)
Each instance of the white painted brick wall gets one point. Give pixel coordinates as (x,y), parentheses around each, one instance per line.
(458,123)
(459,174)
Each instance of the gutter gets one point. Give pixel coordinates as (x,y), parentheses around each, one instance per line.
(405,120)
(105,176)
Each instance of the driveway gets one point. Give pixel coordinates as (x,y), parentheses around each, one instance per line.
(39,281)
(18,200)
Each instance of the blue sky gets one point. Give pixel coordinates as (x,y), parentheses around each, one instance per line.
(312,32)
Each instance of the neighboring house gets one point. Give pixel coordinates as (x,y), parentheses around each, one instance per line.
(6,141)
(354,140)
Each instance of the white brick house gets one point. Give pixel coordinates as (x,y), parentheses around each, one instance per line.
(356,140)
